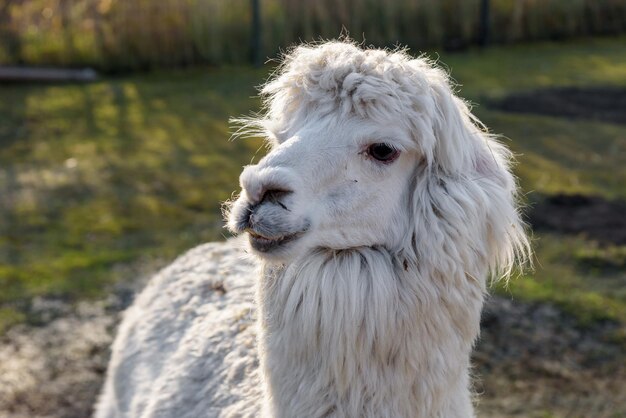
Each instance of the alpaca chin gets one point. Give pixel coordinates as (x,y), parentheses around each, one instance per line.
(359,332)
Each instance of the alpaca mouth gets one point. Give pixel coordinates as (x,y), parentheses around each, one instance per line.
(266,244)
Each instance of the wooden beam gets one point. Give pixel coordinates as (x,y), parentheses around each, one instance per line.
(47,74)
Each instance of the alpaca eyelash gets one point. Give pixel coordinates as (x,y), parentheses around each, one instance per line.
(369,153)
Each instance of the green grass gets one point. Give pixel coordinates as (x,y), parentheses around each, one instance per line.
(571,274)
(561,155)
(96,179)
(495,72)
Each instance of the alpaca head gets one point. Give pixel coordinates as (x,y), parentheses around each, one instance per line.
(372,148)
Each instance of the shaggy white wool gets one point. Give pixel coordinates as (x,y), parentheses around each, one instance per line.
(377,218)
(186,347)
(355,333)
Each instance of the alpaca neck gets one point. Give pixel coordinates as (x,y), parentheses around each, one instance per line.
(358,333)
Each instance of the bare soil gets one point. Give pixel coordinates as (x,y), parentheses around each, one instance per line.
(530,358)
(594,217)
(533,360)
(605,104)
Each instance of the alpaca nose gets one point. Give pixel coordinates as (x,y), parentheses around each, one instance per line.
(265,184)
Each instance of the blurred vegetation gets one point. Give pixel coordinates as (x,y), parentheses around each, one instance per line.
(96,180)
(119,35)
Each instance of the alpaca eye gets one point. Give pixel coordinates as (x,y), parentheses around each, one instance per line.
(383,152)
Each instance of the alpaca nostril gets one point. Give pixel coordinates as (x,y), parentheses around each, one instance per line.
(275,195)
(272,195)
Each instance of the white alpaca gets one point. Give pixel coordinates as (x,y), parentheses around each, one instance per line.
(375,221)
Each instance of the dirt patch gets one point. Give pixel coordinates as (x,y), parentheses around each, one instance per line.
(533,358)
(56,370)
(594,217)
(606,104)
(530,358)
(54,367)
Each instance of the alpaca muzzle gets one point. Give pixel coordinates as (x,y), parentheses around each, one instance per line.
(269,222)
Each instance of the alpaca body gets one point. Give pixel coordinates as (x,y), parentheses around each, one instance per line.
(373,222)
(339,339)
(186,347)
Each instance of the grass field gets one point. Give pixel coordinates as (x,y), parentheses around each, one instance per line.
(98,180)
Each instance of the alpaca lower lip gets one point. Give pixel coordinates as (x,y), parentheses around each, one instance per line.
(265,244)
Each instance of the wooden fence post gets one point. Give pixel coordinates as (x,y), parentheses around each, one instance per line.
(255,37)
(483,23)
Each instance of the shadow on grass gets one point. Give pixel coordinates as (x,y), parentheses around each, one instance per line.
(107,174)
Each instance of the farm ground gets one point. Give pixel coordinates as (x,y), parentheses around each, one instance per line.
(101,184)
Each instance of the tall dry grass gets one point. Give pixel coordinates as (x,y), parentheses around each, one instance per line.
(136,34)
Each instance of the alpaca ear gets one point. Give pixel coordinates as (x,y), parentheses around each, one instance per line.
(468,202)
(453,129)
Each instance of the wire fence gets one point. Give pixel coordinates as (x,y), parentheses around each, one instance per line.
(119,35)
